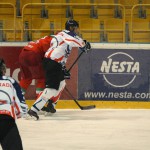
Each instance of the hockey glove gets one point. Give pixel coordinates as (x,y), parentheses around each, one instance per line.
(66,73)
(24,108)
(87,47)
(23,111)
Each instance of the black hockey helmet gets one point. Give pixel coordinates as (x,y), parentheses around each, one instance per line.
(71,23)
(2,67)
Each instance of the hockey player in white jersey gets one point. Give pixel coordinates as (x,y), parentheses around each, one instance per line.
(12,106)
(54,64)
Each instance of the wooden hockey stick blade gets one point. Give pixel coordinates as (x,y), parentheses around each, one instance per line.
(88,107)
(84,107)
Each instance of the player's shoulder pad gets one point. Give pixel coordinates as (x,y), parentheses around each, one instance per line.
(10,79)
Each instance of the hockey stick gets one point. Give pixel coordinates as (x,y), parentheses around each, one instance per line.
(81,107)
(75,61)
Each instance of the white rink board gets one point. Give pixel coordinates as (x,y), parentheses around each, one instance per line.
(112,129)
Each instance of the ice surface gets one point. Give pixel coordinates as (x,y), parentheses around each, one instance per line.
(99,129)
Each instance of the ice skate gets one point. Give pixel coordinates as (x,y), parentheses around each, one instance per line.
(32,114)
(44,108)
(50,109)
(42,111)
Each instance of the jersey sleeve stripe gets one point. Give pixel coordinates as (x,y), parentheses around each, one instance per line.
(13,112)
(48,56)
(18,110)
(59,59)
(3,102)
(61,43)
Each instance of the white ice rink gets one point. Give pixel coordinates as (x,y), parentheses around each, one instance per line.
(102,129)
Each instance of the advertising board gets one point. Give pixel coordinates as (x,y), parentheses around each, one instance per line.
(115,74)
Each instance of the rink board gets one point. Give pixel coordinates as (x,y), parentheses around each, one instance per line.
(115,74)
(70,104)
(84,72)
(10,52)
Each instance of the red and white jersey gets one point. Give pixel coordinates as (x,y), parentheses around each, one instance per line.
(62,44)
(11,99)
(39,46)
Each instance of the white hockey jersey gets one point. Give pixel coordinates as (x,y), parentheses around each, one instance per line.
(11,99)
(62,44)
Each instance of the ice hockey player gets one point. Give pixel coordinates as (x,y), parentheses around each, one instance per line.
(54,64)
(30,60)
(12,106)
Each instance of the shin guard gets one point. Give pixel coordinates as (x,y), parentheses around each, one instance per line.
(58,94)
(43,98)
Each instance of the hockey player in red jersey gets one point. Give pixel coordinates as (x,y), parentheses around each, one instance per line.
(54,64)
(12,106)
(30,60)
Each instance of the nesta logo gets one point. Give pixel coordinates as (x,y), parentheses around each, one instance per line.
(116,66)
(120,69)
